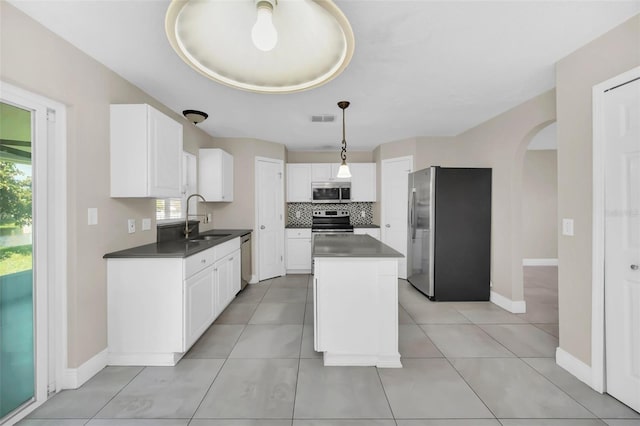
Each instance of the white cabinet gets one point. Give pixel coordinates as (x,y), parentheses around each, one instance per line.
(298,251)
(215,171)
(158,307)
(199,305)
(326,172)
(363,182)
(299,183)
(145,152)
(374,232)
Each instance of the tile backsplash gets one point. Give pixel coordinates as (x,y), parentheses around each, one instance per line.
(355,210)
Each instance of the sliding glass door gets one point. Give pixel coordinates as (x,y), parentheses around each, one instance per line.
(17,365)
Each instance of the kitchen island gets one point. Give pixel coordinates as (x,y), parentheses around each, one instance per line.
(355,303)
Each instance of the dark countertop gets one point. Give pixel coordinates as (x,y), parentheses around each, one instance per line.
(350,245)
(178,248)
(309,226)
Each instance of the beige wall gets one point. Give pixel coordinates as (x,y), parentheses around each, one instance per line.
(328,156)
(609,55)
(37,60)
(540,205)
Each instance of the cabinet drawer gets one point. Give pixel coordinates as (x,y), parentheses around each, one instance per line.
(198,262)
(226,248)
(298,233)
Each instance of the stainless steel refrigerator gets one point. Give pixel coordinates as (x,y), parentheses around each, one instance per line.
(449,241)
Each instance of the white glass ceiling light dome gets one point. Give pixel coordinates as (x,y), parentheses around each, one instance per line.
(267,46)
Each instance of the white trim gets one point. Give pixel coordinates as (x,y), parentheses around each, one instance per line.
(539,262)
(513,306)
(254,279)
(49,238)
(256,234)
(361,360)
(168,359)
(574,366)
(76,377)
(597,381)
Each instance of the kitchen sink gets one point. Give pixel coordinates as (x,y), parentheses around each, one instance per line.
(207,237)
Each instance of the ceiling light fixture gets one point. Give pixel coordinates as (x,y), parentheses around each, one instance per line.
(265,46)
(263,33)
(195,116)
(343,170)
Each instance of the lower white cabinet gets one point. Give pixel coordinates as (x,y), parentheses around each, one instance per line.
(298,250)
(158,307)
(374,232)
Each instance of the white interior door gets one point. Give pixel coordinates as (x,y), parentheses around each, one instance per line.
(270,218)
(622,243)
(394,176)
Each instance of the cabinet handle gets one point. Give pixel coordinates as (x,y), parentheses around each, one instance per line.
(230,259)
(203,261)
(388,226)
(261,226)
(215,269)
(634,267)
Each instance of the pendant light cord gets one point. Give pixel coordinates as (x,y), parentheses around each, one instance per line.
(343,154)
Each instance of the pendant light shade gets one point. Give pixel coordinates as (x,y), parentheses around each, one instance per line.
(343,170)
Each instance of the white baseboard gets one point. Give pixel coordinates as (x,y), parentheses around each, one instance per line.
(73,378)
(298,271)
(574,366)
(539,262)
(513,306)
(254,279)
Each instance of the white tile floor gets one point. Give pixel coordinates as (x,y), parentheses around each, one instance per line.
(465,364)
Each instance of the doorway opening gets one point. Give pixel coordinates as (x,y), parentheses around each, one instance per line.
(540,230)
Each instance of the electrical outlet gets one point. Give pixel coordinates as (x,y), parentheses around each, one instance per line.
(131,225)
(298,214)
(209,217)
(146,224)
(567,227)
(363,214)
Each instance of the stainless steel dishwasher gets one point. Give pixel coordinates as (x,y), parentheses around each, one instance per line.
(245,254)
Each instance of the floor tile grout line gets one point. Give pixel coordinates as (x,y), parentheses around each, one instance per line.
(117,393)
(470,387)
(385,395)
(208,389)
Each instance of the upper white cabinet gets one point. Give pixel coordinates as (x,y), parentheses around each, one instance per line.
(363,182)
(299,183)
(146,153)
(215,170)
(326,172)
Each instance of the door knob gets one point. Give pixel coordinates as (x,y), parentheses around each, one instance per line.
(388,226)
(261,226)
(634,267)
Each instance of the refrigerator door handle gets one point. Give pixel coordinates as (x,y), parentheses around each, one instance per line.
(412,213)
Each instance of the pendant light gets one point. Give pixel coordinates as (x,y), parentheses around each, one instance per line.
(343,171)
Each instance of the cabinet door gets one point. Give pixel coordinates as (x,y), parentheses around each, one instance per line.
(165,155)
(221,273)
(227,177)
(299,183)
(233,274)
(363,182)
(199,305)
(321,172)
(298,253)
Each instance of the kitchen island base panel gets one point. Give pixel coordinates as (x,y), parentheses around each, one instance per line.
(356,311)
(364,360)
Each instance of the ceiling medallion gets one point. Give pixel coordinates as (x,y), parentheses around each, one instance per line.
(265,46)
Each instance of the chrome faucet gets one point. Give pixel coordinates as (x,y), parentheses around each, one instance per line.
(187,231)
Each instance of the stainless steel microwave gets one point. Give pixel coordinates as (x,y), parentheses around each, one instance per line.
(331,192)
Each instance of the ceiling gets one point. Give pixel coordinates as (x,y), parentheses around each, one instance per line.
(420,68)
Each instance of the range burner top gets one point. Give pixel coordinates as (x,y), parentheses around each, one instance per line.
(331,221)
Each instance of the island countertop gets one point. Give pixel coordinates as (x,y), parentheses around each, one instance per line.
(178,248)
(350,245)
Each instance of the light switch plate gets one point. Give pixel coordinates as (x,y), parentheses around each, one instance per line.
(363,214)
(146,224)
(92,215)
(209,217)
(131,225)
(567,227)
(298,214)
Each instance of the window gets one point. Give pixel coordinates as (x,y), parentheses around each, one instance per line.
(168,209)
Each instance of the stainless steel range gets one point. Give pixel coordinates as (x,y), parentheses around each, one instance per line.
(331,222)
